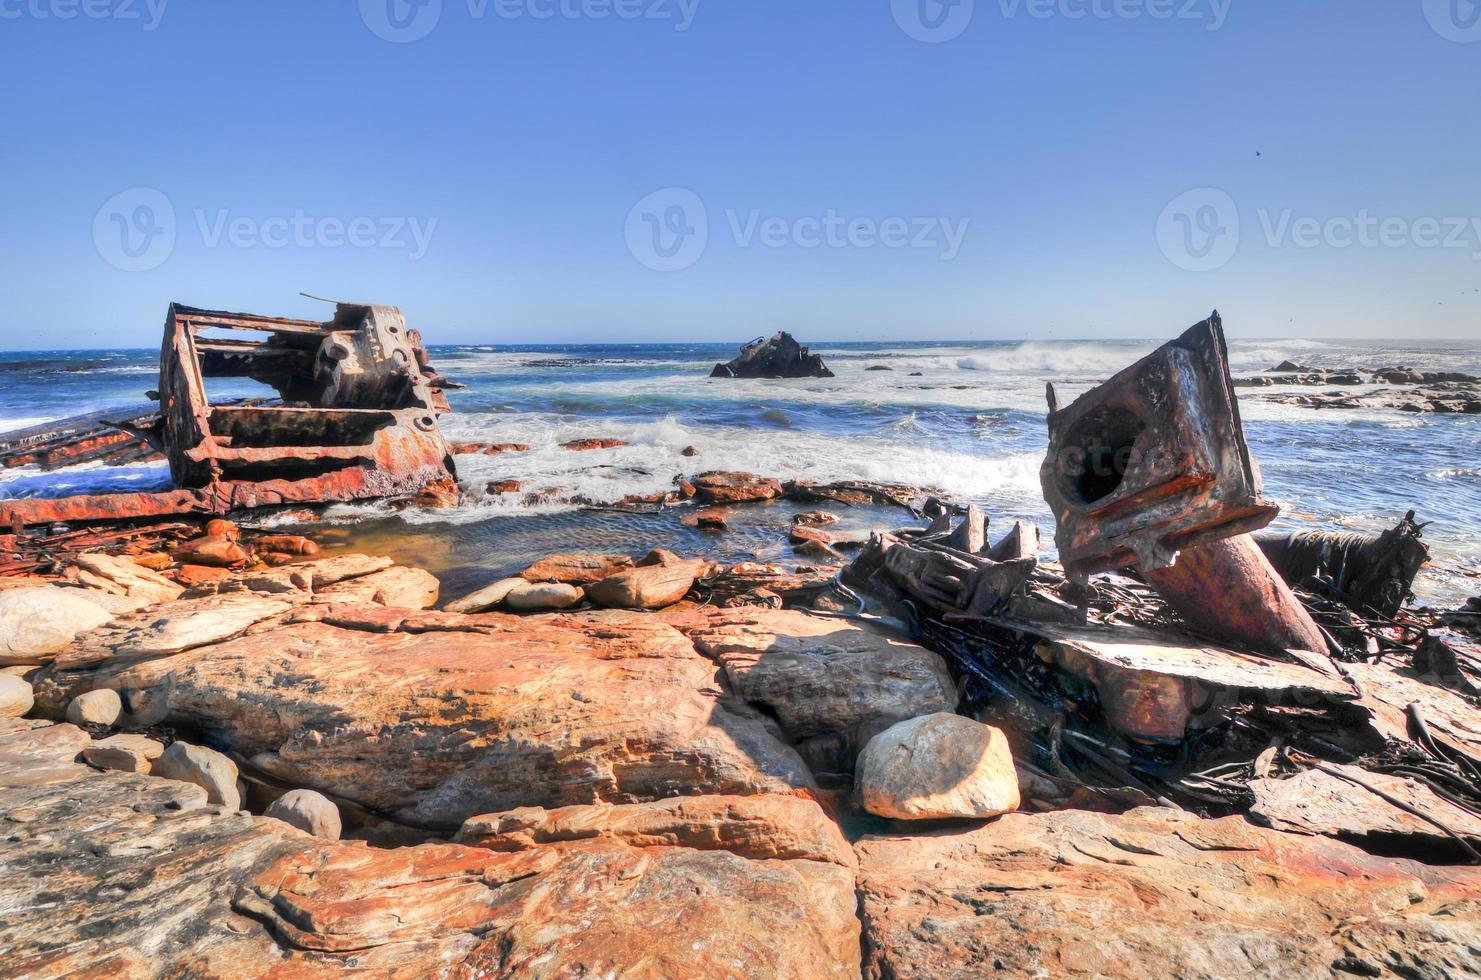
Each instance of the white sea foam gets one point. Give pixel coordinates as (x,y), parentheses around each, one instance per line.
(1097,360)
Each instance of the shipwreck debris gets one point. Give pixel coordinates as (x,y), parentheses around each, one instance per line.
(1151,469)
(97,437)
(1368,573)
(357,417)
(779,356)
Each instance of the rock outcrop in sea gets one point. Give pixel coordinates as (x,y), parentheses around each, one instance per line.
(779,356)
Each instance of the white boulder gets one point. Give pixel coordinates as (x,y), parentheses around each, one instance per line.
(938,766)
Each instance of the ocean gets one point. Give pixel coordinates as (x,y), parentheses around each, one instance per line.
(967,418)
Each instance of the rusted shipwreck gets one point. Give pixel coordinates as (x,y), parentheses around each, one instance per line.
(356,417)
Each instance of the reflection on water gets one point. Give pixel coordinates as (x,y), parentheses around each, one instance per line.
(467,556)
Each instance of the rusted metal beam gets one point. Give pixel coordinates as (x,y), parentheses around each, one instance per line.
(1228,589)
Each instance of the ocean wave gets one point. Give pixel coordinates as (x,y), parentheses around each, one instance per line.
(652,461)
(1047,358)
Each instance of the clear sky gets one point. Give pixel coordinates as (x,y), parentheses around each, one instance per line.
(533,171)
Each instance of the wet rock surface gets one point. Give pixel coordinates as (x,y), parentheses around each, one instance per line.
(1396,388)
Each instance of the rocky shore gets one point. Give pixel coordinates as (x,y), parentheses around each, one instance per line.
(614,765)
(1178,750)
(1397,388)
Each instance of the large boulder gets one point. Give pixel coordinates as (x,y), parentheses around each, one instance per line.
(544,596)
(1156,893)
(935,767)
(820,675)
(435,717)
(576,569)
(647,587)
(779,356)
(100,707)
(486,598)
(36,622)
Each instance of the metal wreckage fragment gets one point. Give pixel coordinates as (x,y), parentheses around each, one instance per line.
(357,418)
(1151,469)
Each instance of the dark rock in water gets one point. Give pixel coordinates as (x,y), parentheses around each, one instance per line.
(878,367)
(1285,366)
(776,416)
(777,357)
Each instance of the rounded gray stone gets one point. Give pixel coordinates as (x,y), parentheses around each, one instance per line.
(206,768)
(310,812)
(100,707)
(15,696)
(545,595)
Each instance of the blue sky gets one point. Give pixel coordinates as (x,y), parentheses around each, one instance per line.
(991,170)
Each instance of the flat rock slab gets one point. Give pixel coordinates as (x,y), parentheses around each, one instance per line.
(820,675)
(1151,687)
(765,826)
(576,569)
(127,875)
(592,908)
(398,587)
(310,577)
(36,622)
(722,487)
(38,755)
(1337,804)
(1389,689)
(117,576)
(467,715)
(196,624)
(1157,893)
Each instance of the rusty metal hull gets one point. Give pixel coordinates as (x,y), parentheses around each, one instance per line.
(357,419)
(1152,461)
(1151,468)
